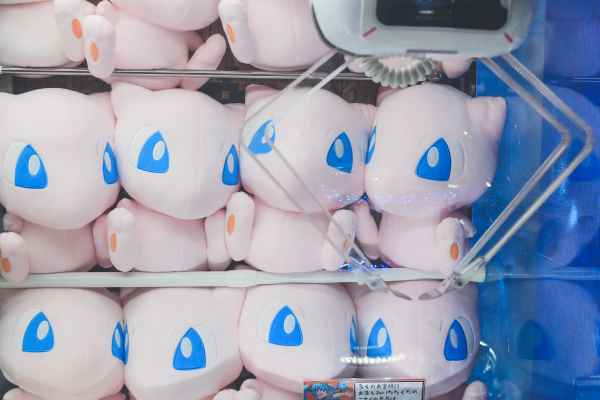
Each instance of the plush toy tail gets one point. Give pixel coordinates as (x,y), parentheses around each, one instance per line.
(208,56)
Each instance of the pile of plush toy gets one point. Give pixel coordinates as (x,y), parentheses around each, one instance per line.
(421,155)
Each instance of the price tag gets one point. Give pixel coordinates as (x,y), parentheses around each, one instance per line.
(365,389)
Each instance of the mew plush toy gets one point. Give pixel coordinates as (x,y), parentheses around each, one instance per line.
(62,344)
(179,160)
(147,34)
(253,389)
(59,174)
(272,34)
(324,139)
(432,151)
(436,340)
(183,342)
(36,33)
(289,333)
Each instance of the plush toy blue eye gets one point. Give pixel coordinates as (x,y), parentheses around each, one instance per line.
(285,329)
(120,342)
(263,140)
(38,337)
(456,347)
(231,168)
(30,172)
(379,344)
(340,155)
(190,353)
(371,145)
(110,172)
(354,347)
(534,343)
(154,155)
(436,163)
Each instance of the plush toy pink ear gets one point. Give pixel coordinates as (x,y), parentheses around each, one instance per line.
(488,115)
(124,94)
(384,92)
(367,110)
(257,92)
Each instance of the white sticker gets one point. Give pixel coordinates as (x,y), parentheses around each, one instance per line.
(392,390)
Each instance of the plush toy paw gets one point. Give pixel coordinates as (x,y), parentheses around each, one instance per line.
(69,15)
(14,263)
(234,18)
(12,223)
(121,231)
(239,221)
(341,234)
(100,233)
(476,391)
(99,45)
(243,394)
(218,256)
(450,239)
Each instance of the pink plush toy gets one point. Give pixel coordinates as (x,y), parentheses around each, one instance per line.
(59,174)
(433,151)
(183,342)
(62,344)
(272,34)
(145,34)
(178,15)
(436,340)
(324,139)
(255,390)
(42,33)
(289,333)
(178,157)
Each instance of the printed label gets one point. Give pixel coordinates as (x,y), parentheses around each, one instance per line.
(403,390)
(365,389)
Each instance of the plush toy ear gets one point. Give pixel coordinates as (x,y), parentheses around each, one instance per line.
(5,99)
(231,299)
(368,111)
(383,93)
(124,94)
(488,115)
(108,11)
(257,92)
(238,115)
(103,101)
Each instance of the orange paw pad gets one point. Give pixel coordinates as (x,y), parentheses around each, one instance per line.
(231,224)
(76,28)
(6,265)
(230,33)
(113,242)
(454,251)
(94,52)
